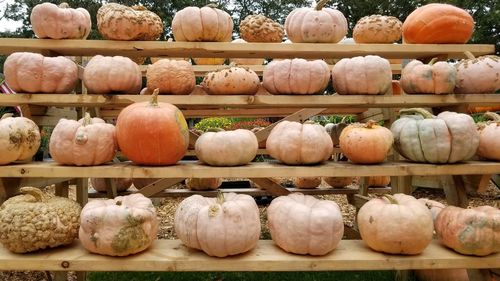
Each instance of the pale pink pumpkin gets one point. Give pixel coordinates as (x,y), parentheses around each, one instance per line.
(121,184)
(175,77)
(60,22)
(19,139)
(433,78)
(202,24)
(478,75)
(489,134)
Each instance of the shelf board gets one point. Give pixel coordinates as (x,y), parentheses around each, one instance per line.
(225,49)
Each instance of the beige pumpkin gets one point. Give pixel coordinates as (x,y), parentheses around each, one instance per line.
(119,22)
(209,61)
(294,143)
(302,224)
(231,81)
(203,183)
(259,28)
(87,142)
(244,61)
(207,24)
(19,139)
(433,78)
(377,29)
(121,226)
(33,73)
(397,224)
(106,75)
(316,25)
(478,75)
(121,184)
(307,182)
(222,226)
(227,148)
(296,76)
(60,22)
(174,77)
(338,182)
(489,134)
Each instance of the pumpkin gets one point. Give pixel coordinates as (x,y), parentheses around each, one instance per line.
(175,77)
(60,22)
(433,78)
(140,183)
(370,75)
(338,182)
(107,75)
(366,143)
(99,184)
(448,137)
(489,134)
(244,61)
(33,73)
(458,274)
(203,184)
(86,142)
(438,24)
(231,81)
(316,25)
(33,221)
(296,76)
(152,133)
(469,231)
(302,224)
(478,75)
(227,148)
(259,28)
(434,206)
(19,139)
(307,182)
(209,61)
(294,143)
(334,130)
(377,29)
(121,226)
(119,22)
(208,23)
(395,224)
(222,226)
(379,181)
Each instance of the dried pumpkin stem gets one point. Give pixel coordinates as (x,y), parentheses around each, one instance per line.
(321,4)
(87,120)
(469,55)
(492,116)
(220,197)
(154,97)
(7,115)
(433,60)
(64,5)
(370,124)
(35,192)
(212,5)
(139,8)
(310,122)
(391,199)
(412,111)
(215,130)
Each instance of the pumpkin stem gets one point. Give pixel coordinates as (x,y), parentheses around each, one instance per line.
(220,197)
(433,60)
(492,116)
(391,199)
(310,122)
(139,8)
(64,5)
(370,124)
(154,97)
(7,115)
(87,120)
(212,5)
(412,111)
(214,130)
(469,55)
(118,203)
(35,192)
(320,5)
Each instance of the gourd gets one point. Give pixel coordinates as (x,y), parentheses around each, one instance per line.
(259,28)
(207,24)
(478,75)
(244,61)
(203,183)
(231,81)
(60,22)
(19,139)
(377,29)
(174,77)
(307,182)
(433,78)
(121,184)
(489,134)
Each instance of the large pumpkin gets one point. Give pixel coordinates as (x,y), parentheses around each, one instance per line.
(259,28)
(202,24)
(175,77)
(121,184)
(121,226)
(33,73)
(296,76)
(60,22)
(316,25)
(432,78)
(106,75)
(227,148)
(489,134)
(294,143)
(87,142)
(203,183)
(377,29)
(245,61)
(231,81)
(222,226)
(397,224)
(152,133)
(302,224)
(448,137)
(478,75)
(19,139)
(473,231)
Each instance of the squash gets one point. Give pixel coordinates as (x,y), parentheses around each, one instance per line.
(231,81)
(377,29)
(302,224)
(121,184)
(244,61)
(259,28)
(478,75)
(175,77)
(60,22)
(19,139)
(307,182)
(489,134)
(433,78)
(338,182)
(203,183)
(207,24)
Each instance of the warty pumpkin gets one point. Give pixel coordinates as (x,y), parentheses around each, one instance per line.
(307,182)
(433,78)
(203,183)
(19,139)
(377,29)
(60,22)
(478,75)
(231,81)
(175,77)
(207,24)
(259,28)
(489,134)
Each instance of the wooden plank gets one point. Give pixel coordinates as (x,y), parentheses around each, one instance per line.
(159,186)
(455,192)
(270,186)
(260,151)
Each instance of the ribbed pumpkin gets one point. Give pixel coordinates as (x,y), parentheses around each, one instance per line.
(448,137)
(121,184)
(433,78)
(19,139)
(377,29)
(478,75)
(203,183)
(244,61)
(338,182)
(259,28)
(208,23)
(174,77)
(60,22)
(307,182)
(438,24)
(316,25)
(489,134)
(231,81)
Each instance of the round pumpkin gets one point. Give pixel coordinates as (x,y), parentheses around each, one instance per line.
(121,226)
(121,184)
(370,75)
(316,25)
(222,226)
(175,77)
(438,23)
(227,148)
(307,182)
(294,143)
(119,22)
(377,29)
(396,224)
(338,182)
(87,142)
(366,143)
(209,61)
(448,137)
(296,76)
(259,28)
(489,134)
(434,206)
(152,133)
(379,181)
(469,231)
(208,23)
(60,22)
(244,61)
(478,75)
(231,81)
(33,73)
(19,139)
(302,224)
(203,183)
(433,78)
(140,183)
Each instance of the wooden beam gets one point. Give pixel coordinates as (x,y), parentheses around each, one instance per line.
(159,186)
(270,186)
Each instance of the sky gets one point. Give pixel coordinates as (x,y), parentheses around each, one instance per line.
(7,24)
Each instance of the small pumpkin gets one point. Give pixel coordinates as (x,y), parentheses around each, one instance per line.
(338,182)
(60,22)
(434,206)
(303,224)
(122,184)
(433,78)
(489,134)
(244,61)
(203,183)
(307,182)
(235,217)
(231,81)
(379,181)
(478,75)
(259,28)
(396,224)
(175,77)
(121,226)
(209,61)
(377,29)
(207,24)
(19,139)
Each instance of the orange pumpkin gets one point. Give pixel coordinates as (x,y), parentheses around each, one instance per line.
(307,182)
(99,184)
(209,61)
(203,183)
(208,24)
(433,78)
(60,22)
(175,77)
(379,181)
(338,182)
(231,81)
